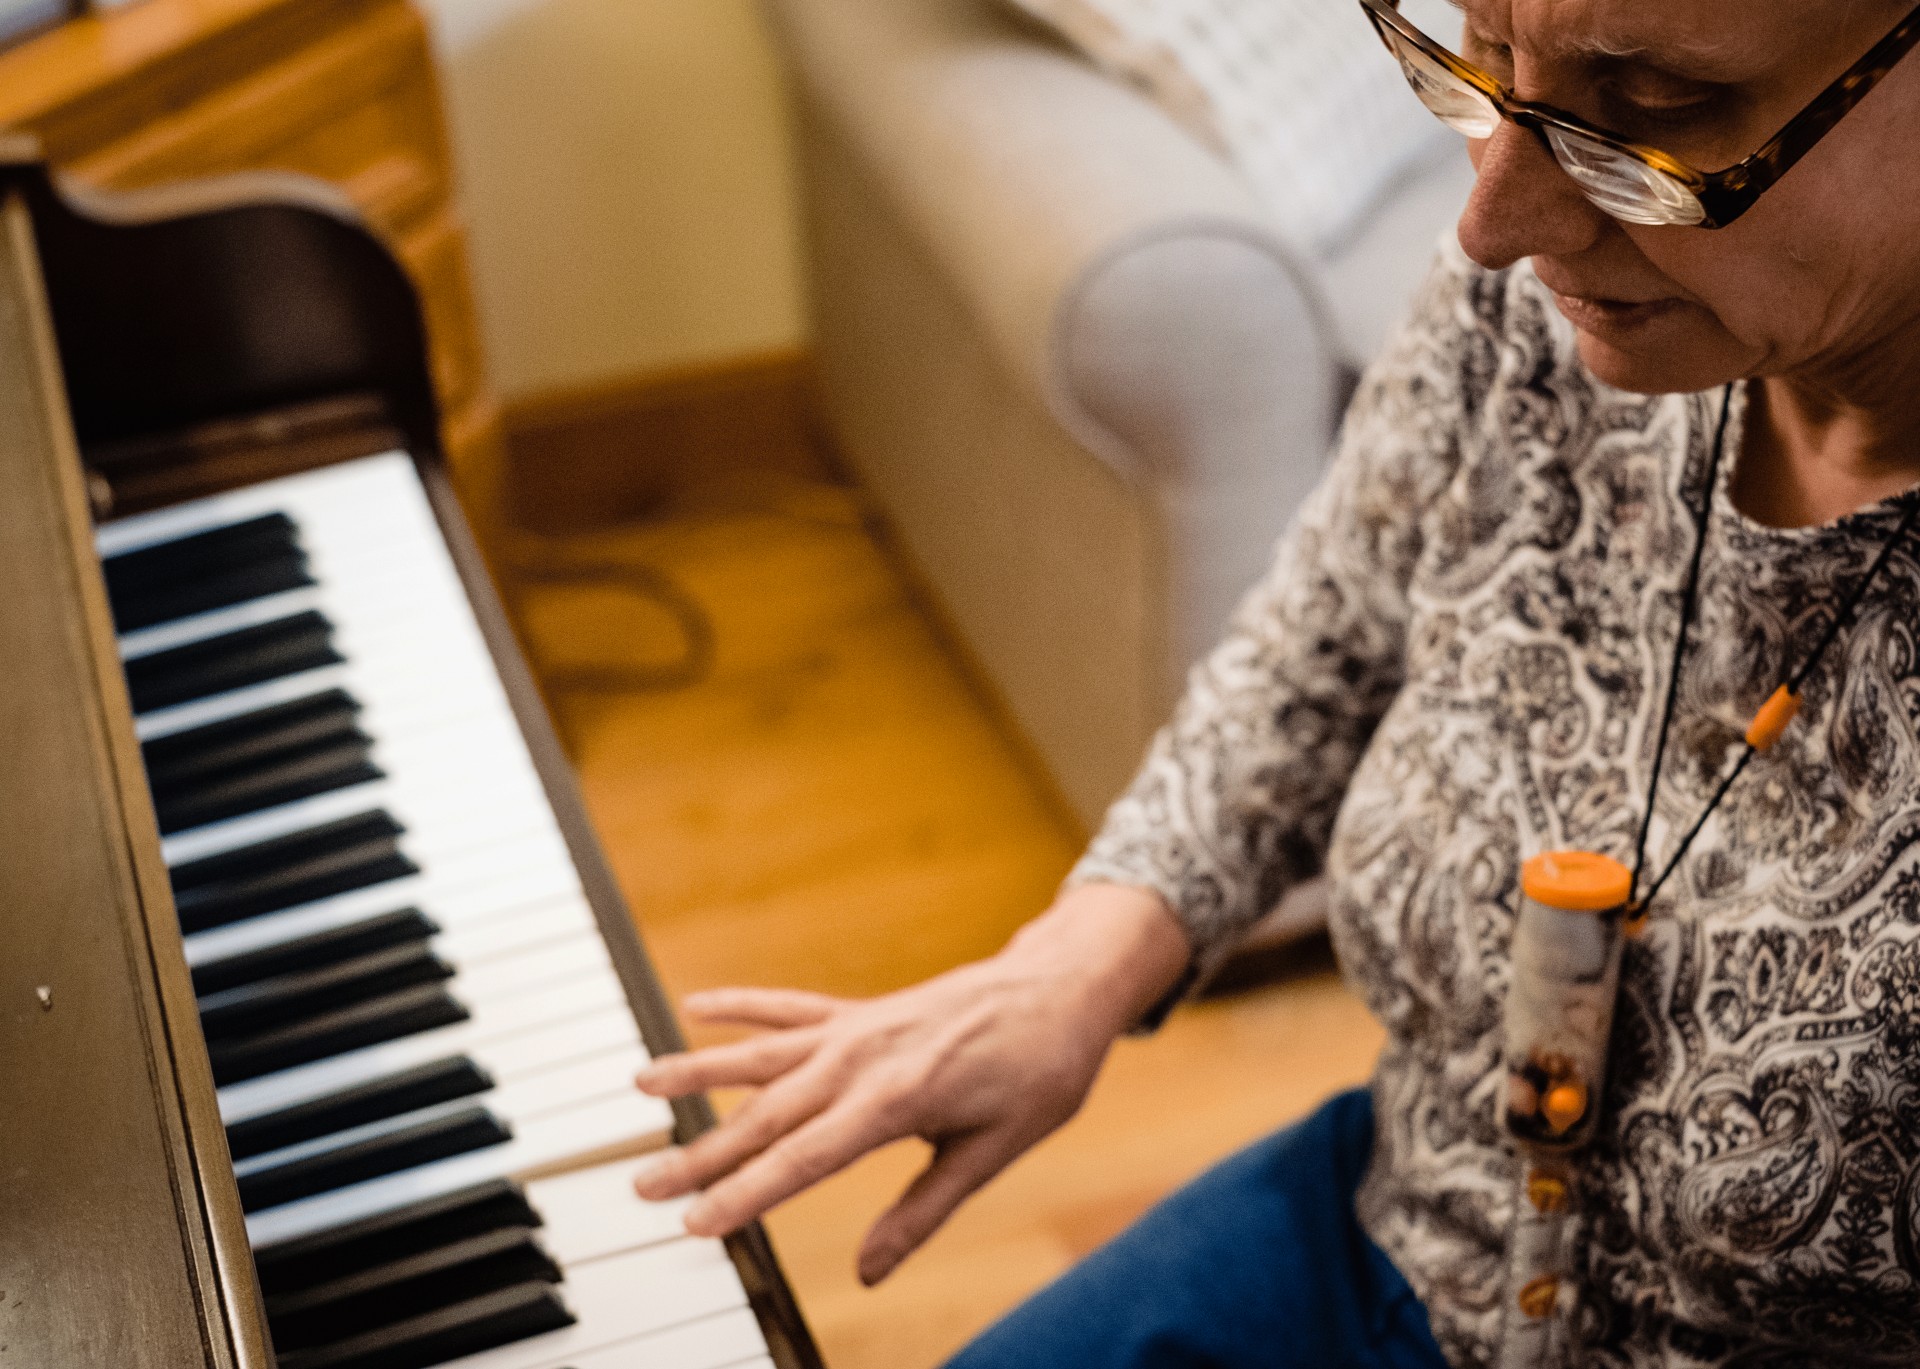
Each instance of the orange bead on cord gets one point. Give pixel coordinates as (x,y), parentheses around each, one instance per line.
(1547,1192)
(1538,1297)
(1564,1105)
(1772,719)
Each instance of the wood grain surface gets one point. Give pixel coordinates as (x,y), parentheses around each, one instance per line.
(121,1223)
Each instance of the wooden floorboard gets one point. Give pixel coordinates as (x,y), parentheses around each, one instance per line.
(832,806)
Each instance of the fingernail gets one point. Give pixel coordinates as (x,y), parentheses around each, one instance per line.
(698,1219)
(644,1080)
(653,1178)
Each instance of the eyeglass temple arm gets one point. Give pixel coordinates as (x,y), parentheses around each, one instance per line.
(1739,185)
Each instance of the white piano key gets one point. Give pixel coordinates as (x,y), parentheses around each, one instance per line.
(417,682)
(432,826)
(714,1342)
(421,638)
(425,738)
(216,622)
(517,1103)
(524,1054)
(183,520)
(465,936)
(487,885)
(629,1123)
(560,962)
(564,1085)
(472,945)
(510,1038)
(407,690)
(662,1302)
(421,736)
(461,886)
(369,487)
(164,722)
(493,881)
(480,805)
(437,726)
(405,618)
(594,1212)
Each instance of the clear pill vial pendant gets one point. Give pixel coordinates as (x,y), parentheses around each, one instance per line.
(1565,972)
(1565,965)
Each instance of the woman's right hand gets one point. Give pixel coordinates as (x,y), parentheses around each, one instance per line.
(981,1062)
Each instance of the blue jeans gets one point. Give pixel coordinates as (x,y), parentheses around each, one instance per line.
(1259,1262)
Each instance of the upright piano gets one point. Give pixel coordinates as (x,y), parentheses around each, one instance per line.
(319,1009)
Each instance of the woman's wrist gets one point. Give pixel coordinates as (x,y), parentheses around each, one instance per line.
(1120,948)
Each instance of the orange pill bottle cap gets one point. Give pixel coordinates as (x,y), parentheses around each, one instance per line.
(1576,881)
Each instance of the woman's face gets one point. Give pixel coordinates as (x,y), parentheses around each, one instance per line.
(1819,279)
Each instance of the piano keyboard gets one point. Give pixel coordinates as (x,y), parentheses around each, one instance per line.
(424,1054)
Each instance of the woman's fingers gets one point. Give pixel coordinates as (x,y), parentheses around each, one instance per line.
(825,1145)
(758,1061)
(786,1104)
(761,1007)
(959,1167)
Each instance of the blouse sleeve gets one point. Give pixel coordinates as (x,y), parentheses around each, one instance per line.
(1236,799)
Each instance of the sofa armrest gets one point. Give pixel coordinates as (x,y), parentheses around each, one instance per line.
(1053,198)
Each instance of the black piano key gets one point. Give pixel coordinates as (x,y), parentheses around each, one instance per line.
(282,780)
(208,570)
(440,1081)
(300,994)
(234,585)
(466,1328)
(363,1024)
(436,1138)
(427,1224)
(196,554)
(250,655)
(232,743)
(349,853)
(408,1288)
(271,756)
(315,951)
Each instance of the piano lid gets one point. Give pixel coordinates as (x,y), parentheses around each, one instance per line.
(120,1235)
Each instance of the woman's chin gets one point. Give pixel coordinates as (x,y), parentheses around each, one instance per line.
(1656,366)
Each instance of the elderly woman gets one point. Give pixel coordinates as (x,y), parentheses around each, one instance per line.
(1638,464)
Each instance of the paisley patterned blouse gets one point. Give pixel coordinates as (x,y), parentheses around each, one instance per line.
(1458,660)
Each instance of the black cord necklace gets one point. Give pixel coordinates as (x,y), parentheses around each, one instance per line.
(1781,706)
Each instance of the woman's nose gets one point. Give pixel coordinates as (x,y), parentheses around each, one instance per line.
(1524,205)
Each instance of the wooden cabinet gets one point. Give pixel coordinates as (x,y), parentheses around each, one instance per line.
(341,89)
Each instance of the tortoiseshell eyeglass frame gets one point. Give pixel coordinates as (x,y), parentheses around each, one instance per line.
(1723,195)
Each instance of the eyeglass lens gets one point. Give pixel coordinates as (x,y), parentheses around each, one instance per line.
(1616,181)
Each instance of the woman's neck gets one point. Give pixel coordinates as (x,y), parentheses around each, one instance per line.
(1810,456)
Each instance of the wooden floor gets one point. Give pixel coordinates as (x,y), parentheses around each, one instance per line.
(832,806)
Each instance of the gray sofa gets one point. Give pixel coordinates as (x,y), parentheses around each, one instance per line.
(1083,378)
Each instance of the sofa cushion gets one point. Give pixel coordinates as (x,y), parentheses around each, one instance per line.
(1299,94)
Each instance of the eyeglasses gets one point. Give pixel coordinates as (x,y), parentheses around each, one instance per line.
(1632,182)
